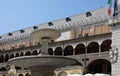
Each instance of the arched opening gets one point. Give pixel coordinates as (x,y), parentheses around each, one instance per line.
(93,47)
(20,75)
(11,56)
(34,52)
(27,53)
(17,55)
(1,59)
(50,51)
(100,66)
(58,51)
(68,50)
(21,54)
(80,49)
(105,46)
(6,58)
(27,74)
(62,73)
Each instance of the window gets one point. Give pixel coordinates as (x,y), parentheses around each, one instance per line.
(50,24)
(22,31)
(35,27)
(68,19)
(10,34)
(88,14)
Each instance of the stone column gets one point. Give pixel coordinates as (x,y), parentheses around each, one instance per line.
(42,71)
(116,42)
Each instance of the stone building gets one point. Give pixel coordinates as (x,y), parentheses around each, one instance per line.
(86,37)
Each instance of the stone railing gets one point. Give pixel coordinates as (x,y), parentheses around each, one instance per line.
(92,55)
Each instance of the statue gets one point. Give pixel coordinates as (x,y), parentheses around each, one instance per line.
(113,55)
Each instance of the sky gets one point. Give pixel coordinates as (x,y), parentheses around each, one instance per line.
(20,14)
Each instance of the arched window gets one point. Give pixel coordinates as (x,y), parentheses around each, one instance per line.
(27,74)
(58,51)
(88,14)
(93,47)
(106,45)
(17,55)
(12,56)
(1,59)
(27,53)
(80,49)
(68,50)
(50,51)
(21,54)
(20,75)
(6,57)
(62,73)
(34,52)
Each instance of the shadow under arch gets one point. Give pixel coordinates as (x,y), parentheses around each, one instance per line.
(50,51)
(6,57)
(58,51)
(28,53)
(106,45)
(99,66)
(12,56)
(21,54)
(27,74)
(93,47)
(80,49)
(68,50)
(34,52)
(20,74)
(17,55)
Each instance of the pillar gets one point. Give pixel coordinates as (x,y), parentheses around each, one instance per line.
(115,24)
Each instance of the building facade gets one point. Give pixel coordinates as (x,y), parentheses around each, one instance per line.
(86,37)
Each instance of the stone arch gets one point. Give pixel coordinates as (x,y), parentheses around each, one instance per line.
(93,47)
(35,52)
(50,51)
(27,74)
(1,59)
(58,51)
(12,56)
(63,73)
(106,45)
(27,53)
(20,74)
(6,57)
(21,54)
(80,49)
(17,55)
(68,50)
(99,66)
